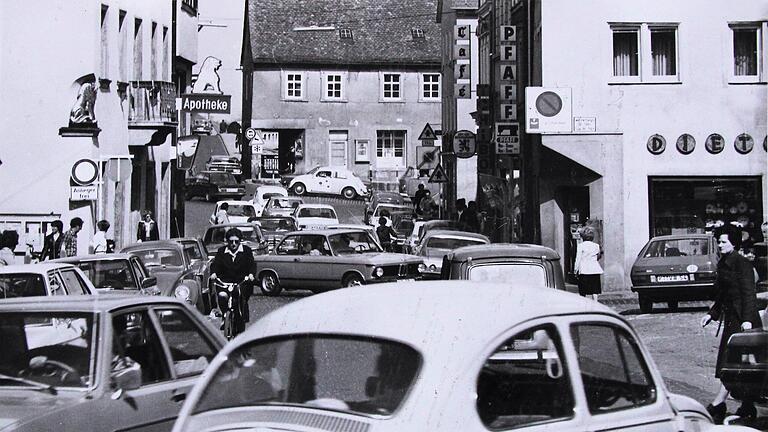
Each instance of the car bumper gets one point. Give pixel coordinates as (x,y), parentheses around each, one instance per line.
(687,291)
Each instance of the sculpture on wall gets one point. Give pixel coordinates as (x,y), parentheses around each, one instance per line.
(82,112)
(208,78)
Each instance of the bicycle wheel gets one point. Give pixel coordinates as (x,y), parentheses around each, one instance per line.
(229,331)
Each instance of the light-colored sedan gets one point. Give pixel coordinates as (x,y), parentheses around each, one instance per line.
(115,273)
(436,244)
(237,212)
(263,194)
(43,279)
(453,356)
(315,216)
(99,363)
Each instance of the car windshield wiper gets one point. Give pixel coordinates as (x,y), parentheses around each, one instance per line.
(37,385)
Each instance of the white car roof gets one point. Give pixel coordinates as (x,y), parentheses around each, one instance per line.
(233,202)
(271,189)
(429,315)
(40,268)
(328,206)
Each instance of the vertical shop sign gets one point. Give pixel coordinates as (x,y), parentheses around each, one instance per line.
(462,71)
(507,73)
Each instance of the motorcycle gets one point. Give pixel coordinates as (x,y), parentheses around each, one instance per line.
(229,295)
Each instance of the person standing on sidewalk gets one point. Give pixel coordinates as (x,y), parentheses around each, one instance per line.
(99,241)
(147,230)
(69,242)
(52,242)
(586,267)
(9,239)
(735,308)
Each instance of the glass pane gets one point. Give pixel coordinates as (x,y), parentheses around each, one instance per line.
(625,53)
(680,247)
(190,349)
(72,283)
(109,274)
(663,50)
(21,285)
(510,272)
(159,257)
(745,52)
(525,381)
(134,338)
(370,376)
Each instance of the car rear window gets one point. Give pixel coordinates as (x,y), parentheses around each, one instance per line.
(282,224)
(241,210)
(677,247)
(318,213)
(21,285)
(115,274)
(368,376)
(527,273)
(158,257)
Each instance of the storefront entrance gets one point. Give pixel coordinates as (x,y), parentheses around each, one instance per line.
(575,208)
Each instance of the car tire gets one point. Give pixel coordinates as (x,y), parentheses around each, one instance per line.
(349,193)
(352,280)
(269,284)
(672,305)
(299,189)
(646,304)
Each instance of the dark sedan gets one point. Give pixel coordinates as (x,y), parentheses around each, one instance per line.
(508,262)
(213,185)
(99,363)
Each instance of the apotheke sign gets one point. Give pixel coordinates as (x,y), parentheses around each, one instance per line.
(205,103)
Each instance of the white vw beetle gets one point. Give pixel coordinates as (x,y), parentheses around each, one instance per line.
(438,356)
(329,180)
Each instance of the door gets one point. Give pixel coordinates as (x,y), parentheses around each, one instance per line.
(390,149)
(321,183)
(337,146)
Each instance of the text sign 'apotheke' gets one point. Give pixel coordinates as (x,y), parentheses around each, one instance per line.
(206,103)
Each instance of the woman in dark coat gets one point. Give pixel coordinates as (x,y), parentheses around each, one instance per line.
(735,307)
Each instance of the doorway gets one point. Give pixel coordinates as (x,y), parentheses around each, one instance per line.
(575,206)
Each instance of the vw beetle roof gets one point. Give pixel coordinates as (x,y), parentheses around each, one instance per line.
(501,250)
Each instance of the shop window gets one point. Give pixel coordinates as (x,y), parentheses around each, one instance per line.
(682,205)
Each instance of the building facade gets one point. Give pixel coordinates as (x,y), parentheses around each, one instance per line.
(97,88)
(665,112)
(342,87)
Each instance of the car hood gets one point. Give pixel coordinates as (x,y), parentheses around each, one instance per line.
(383,258)
(22,406)
(238,219)
(674,264)
(278,212)
(686,404)
(166,278)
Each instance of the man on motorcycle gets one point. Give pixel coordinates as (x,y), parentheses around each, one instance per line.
(233,263)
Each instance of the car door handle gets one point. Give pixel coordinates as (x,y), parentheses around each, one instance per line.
(179,397)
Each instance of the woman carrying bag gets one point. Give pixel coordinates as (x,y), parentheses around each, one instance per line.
(586,267)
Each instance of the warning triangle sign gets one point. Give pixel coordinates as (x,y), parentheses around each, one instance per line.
(438,175)
(427,133)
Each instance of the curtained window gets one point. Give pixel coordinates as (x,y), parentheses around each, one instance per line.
(625,53)
(745,51)
(664,52)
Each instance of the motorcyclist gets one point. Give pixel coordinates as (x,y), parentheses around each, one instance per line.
(234,263)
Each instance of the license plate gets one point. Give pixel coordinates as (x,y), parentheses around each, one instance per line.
(230,190)
(406,280)
(672,278)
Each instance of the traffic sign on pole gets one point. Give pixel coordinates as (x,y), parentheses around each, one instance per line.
(427,133)
(438,175)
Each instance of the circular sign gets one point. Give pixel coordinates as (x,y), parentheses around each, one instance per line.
(118,169)
(656,144)
(686,143)
(549,104)
(715,143)
(250,133)
(85,172)
(744,143)
(464,144)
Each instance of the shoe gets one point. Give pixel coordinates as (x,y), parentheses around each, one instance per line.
(717,412)
(747,410)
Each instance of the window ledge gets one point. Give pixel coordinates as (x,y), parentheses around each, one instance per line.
(294,100)
(334,100)
(742,81)
(430,100)
(392,101)
(676,82)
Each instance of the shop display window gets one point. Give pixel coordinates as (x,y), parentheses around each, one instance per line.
(683,205)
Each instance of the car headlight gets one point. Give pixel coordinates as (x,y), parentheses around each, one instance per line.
(432,267)
(422,267)
(378,272)
(181,292)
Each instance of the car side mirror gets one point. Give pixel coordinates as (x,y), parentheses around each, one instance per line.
(372,386)
(149,282)
(125,376)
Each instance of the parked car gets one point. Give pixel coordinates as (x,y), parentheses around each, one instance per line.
(315,216)
(319,260)
(119,273)
(436,244)
(675,268)
(253,237)
(211,185)
(263,194)
(392,210)
(403,226)
(367,228)
(197,255)
(224,163)
(508,262)
(275,228)
(329,180)
(482,356)
(43,279)
(421,227)
(99,363)
(279,206)
(237,212)
(378,197)
(176,275)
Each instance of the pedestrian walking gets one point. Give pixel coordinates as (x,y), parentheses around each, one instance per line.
(586,267)
(469,220)
(99,244)
(385,234)
(147,230)
(69,242)
(421,192)
(52,242)
(461,206)
(427,206)
(9,239)
(735,308)
(222,217)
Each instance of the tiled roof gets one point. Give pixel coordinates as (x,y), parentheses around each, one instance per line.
(381,32)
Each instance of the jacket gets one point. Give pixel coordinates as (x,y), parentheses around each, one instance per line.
(51,247)
(233,269)
(144,234)
(736,299)
(586,263)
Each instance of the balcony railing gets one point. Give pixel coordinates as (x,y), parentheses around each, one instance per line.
(151,103)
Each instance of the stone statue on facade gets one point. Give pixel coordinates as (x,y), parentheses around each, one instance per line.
(208,78)
(82,113)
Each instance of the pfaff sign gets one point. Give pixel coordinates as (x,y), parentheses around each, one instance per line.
(206,103)
(507,73)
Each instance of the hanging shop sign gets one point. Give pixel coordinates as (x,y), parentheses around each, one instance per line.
(462,70)
(508,70)
(205,103)
(464,144)
(508,138)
